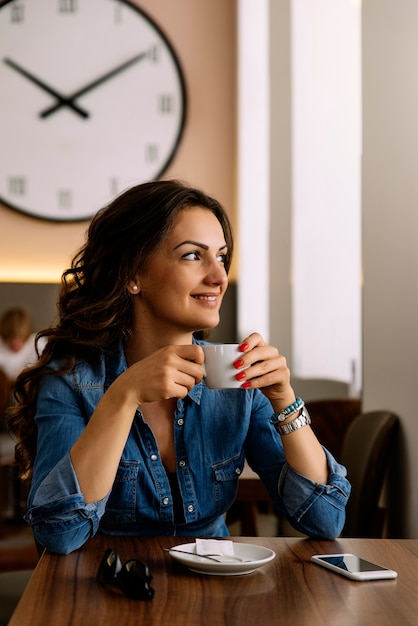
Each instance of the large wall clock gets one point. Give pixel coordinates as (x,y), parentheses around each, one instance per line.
(92,100)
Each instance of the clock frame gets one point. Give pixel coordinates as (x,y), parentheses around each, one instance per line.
(93,100)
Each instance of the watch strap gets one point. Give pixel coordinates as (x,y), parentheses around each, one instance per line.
(303,419)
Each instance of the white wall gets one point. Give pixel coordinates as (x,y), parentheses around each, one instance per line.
(299,182)
(253,166)
(264,174)
(326,153)
(390,228)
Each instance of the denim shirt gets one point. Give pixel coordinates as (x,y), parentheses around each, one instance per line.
(214,431)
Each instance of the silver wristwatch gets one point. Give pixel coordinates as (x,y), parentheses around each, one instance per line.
(303,419)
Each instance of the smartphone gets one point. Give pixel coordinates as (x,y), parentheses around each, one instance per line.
(353,566)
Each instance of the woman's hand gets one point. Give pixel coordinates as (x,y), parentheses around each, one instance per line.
(267,371)
(167,373)
(170,372)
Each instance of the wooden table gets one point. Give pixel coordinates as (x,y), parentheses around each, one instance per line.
(289,590)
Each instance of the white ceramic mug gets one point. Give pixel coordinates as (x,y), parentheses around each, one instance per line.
(218,366)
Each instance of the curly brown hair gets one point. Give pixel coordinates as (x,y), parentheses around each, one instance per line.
(94,305)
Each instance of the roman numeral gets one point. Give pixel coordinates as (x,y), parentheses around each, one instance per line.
(118,12)
(17,186)
(67,6)
(17,13)
(154,53)
(166,103)
(151,152)
(114,186)
(65,199)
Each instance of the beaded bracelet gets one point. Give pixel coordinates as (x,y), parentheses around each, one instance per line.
(297,405)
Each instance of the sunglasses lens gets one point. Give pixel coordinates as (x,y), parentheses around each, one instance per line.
(109,568)
(134,580)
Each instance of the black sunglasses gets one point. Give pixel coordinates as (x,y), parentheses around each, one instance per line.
(132,578)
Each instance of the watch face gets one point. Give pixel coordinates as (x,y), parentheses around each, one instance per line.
(92,101)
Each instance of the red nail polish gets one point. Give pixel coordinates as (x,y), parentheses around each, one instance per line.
(246,385)
(238,363)
(244,346)
(240,376)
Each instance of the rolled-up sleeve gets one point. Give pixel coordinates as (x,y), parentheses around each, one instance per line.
(59,517)
(313,508)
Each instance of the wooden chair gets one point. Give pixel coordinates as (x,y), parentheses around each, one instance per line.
(6,444)
(13,491)
(5,391)
(331,419)
(368,450)
(18,551)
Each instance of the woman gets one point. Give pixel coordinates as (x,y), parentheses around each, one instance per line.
(115,423)
(17,342)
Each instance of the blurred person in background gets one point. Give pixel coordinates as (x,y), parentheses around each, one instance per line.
(17,342)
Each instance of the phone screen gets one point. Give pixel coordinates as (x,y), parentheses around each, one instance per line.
(352,563)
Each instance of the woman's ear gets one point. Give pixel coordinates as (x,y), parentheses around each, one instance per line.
(134,287)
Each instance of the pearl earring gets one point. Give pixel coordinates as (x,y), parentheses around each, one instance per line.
(134,287)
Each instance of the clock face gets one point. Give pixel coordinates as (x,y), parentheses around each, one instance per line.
(92,101)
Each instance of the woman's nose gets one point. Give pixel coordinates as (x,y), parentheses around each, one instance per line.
(216,273)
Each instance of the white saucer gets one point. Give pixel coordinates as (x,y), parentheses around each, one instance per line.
(255,556)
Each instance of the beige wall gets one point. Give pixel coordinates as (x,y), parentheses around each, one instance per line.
(390,231)
(203,36)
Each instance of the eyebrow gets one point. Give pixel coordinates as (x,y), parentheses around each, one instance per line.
(198,244)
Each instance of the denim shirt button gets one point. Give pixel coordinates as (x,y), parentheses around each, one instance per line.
(237,471)
(166,500)
(190,508)
(154,457)
(180,421)
(182,463)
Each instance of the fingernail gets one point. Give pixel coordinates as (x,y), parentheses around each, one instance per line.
(246,385)
(244,346)
(240,376)
(238,363)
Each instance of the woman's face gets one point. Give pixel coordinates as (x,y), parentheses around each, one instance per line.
(185,280)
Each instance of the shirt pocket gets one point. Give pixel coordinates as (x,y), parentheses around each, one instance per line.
(121,505)
(225,478)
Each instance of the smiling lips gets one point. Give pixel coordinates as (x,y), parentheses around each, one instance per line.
(207,298)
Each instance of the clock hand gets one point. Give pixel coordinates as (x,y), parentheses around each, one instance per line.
(92,85)
(63,101)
